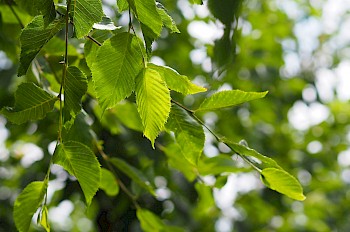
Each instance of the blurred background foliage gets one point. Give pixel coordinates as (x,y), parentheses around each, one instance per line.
(297,50)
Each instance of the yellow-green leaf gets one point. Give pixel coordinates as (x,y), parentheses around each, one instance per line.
(175,81)
(229,98)
(153,102)
(282,182)
(27,203)
(108,183)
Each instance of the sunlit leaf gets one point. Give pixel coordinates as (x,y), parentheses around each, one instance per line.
(31,103)
(133,173)
(127,113)
(146,12)
(108,183)
(75,86)
(282,182)
(175,81)
(81,162)
(85,14)
(105,24)
(229,98)
(167,20)
(122,5)
(199,2)
(44,221)
(33,37)
(116,66)
(153,102)
(27,203)
(189,133)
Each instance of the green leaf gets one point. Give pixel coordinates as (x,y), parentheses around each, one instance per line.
(81,162)
(85,14)
(133,173)
(91,48)
(175,81)
(127,113)
(75,87)
(229,98)
(122,5)
(199,2)
(43,220)
(27,203)
(150,222)
(153,102)
(188,133)
(167,20)
(39,7)
(177,161)
(282,182)
(31,103)
(218,165)
(79,130)
(116,66)
(240,149)
(109,183)
(146,12)
(33,37)
(105,24)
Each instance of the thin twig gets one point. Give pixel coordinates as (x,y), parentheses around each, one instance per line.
(94,40)
(217,137)
(105,157)
(15,14)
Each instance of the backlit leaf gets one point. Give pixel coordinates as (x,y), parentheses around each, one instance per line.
(44,221)
(175,81)
(122,5)
(75,87)
(39,7)
(81,162)
(146,12)
(85,14)
(282,182)
(108,183)
(229,98)
(167,20)
(33,37)
(27,203)
(199,2)
(31,103)
(153,102)
(116,66)
(133,173)
(189,134)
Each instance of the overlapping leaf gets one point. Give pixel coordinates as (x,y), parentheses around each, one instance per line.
(31,103)
(146,12)
(282,182)
(188,133)
(75,86)
(43,219)
(85,14)
(229,98)
(116,66)
(167,20)
(27,203)
(33,37)
(175,81)
(82,163)
(108,183)
(39,7)
(134,174)
(153,102)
